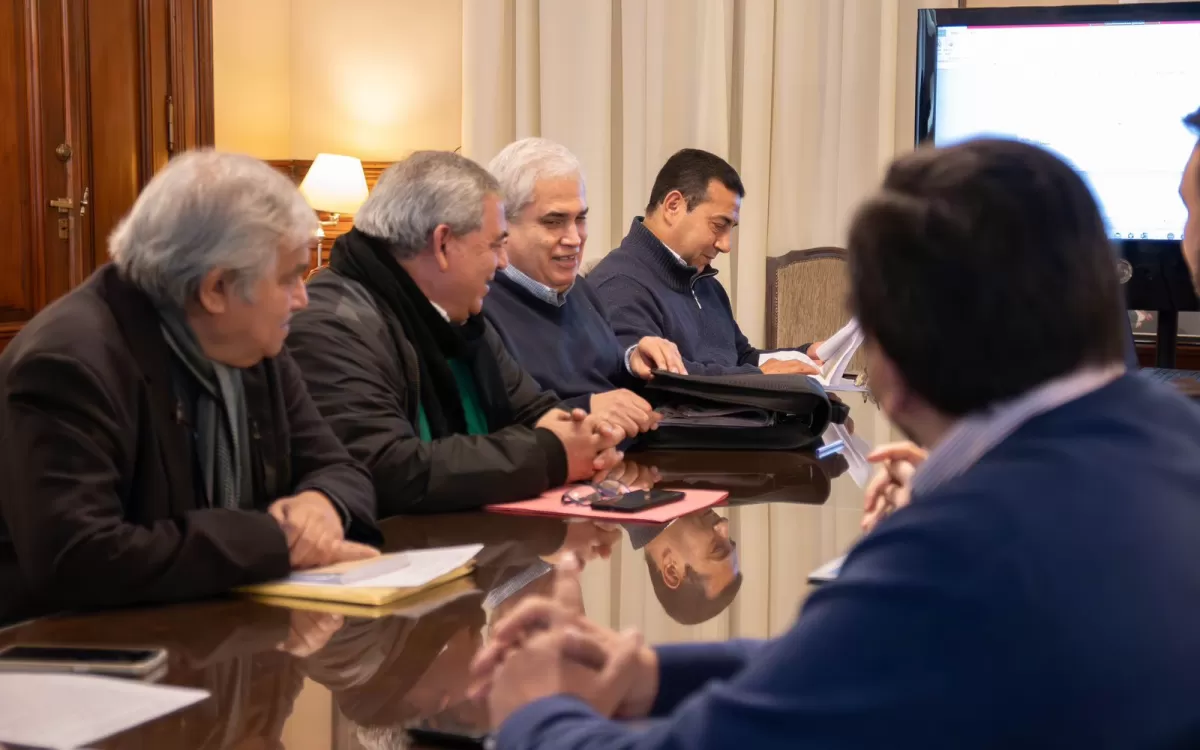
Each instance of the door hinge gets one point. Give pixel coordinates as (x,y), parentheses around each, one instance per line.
(170,124)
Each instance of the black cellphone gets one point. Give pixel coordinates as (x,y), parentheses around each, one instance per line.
(466,739)
(134,662)
(632,502)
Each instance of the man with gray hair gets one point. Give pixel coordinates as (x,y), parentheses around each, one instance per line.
(549,316)
(158,443)
(413,380)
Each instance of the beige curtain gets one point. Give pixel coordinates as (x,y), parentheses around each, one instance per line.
(809,99)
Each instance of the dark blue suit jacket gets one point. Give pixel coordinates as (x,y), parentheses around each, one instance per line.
(1048,597)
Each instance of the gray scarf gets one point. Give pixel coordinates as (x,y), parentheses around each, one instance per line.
(220,414)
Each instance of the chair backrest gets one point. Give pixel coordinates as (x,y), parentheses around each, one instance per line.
(806,298)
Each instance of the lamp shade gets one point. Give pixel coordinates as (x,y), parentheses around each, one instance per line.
(335,184)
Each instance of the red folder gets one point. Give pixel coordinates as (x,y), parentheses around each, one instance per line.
(551,504)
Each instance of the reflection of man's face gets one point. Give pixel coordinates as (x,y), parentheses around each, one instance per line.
(701,542)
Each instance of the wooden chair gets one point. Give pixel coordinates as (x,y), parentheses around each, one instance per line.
(806,298)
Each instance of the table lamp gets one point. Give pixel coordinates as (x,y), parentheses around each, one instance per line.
(334,184)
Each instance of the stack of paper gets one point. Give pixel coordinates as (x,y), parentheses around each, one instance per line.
(835,354)
(69,711)
(375,582)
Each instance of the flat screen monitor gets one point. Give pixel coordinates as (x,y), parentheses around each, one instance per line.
(1104,86)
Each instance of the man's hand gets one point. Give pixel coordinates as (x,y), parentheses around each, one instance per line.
(625,409)
(589,440)
(787,367)
(309,632)
(634,475)
(587,540)
(654,353)
(559,661)
(314,532)
(586,642)
(891,487)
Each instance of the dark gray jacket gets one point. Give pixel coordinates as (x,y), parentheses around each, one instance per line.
(367,388)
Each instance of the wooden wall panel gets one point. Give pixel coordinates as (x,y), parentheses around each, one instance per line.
(19,244)
(120,157)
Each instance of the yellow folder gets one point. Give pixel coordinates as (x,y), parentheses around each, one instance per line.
(426,599)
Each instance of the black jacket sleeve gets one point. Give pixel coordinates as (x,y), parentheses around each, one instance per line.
(356,380)
(321,463)
(66,437)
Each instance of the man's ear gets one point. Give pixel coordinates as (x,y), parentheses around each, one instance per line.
(887,384)
(672,569)
(674,205)
(441,239)
(214,292)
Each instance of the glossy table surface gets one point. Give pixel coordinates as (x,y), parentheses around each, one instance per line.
(300,679)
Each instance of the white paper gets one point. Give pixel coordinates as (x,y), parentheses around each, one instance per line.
(68,711)
(423,566)
(828,571)
(855,452)
(835,354)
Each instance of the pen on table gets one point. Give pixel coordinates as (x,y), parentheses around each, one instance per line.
(831,448)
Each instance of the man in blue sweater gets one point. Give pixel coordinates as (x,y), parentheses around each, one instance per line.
(1040,590)
(660,281)
(549,317)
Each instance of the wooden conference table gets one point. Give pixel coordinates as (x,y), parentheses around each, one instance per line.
(302,679)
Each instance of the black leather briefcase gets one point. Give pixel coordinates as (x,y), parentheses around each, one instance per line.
(739,412)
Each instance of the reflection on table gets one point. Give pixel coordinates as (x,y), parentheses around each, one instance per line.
(306,675)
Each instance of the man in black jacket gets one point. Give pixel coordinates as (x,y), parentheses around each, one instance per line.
(158,443)
(413,380)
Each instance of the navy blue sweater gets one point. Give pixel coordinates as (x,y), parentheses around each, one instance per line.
(647,292)
(1049,597)
(570,350)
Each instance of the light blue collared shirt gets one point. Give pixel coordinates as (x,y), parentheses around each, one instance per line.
(976,434)
(536,288)
(558,299)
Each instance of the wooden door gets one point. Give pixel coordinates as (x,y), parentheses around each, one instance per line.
(37,261)
(98,95)
(148,68)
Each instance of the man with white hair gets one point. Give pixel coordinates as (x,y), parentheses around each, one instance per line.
(416,383)
(158,443)
(549,316)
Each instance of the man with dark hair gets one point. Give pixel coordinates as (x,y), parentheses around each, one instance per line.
(693,565)
(1038,591)
(1189,190)
(660,281)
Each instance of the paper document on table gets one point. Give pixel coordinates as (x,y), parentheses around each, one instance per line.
(835,354)
(855,452)
(828,571)
(401,570)
(389,579)
(69,711)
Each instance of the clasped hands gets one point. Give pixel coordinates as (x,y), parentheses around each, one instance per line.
(314,531)
(546,647)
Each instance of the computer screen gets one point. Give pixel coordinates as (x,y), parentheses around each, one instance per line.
(1106,87)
